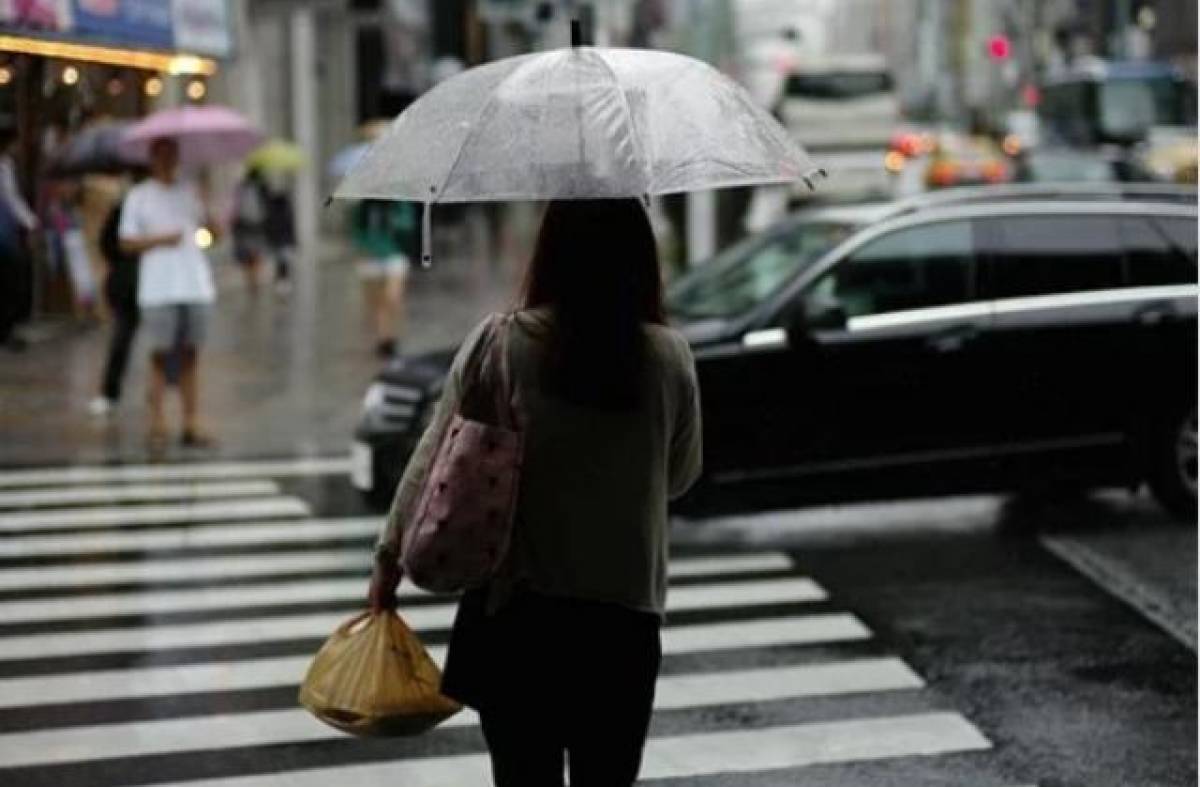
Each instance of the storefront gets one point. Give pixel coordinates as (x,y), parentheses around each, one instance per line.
(67,63)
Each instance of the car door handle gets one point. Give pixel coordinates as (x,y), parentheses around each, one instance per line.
(1154,313)
(952,339)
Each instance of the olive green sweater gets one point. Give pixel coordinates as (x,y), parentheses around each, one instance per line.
(591,519)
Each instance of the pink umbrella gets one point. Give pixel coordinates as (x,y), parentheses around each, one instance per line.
(206,135)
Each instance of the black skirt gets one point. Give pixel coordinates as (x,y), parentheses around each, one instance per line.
(553,641)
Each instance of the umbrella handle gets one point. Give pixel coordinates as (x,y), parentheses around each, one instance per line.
(427,235)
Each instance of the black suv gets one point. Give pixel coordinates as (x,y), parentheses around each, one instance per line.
(990,340)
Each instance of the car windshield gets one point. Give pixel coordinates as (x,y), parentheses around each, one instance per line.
(746,274)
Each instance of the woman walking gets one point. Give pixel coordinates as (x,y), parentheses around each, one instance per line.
(560,651)
(383,232)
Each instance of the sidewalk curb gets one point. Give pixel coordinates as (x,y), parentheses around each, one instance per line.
(1114,579)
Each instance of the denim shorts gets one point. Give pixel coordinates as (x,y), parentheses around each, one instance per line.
(175,325)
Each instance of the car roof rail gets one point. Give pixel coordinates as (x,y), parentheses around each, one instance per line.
(1127,192)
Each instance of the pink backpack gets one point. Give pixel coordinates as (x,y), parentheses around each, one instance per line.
(462,523)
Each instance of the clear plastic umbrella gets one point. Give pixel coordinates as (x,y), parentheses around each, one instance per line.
(577,123)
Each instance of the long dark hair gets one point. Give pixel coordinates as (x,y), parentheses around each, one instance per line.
(596,267)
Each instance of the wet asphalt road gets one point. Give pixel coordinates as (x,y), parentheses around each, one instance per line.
(1072,683)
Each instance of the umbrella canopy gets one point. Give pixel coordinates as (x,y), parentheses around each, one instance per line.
(582,122)
(278,155)
(206,135)
(96,149)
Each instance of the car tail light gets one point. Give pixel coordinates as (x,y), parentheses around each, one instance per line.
(995,172)
(908,144)
(943,173)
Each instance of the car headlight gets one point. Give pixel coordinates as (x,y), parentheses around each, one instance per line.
(373,397)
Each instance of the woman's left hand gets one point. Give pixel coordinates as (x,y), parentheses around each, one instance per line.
(385,578)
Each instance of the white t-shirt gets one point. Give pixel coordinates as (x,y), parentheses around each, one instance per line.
(168,274)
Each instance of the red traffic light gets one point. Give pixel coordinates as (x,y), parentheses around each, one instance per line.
(999,47)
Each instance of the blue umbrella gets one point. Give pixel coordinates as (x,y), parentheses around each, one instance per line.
(346,158)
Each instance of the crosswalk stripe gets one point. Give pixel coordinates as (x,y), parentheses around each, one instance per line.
(433,616)
(249,534)
(143,493)
(708,753)
(183,568)
(170,514)
(259,673)
(279,468)
(293,592)
(292,725)
(246,566)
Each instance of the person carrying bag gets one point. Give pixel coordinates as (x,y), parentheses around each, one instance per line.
(556,641)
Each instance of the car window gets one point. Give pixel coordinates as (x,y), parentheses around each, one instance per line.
(1047,255)
(912,268)
(1182,233)
(1153,258)
(747,274)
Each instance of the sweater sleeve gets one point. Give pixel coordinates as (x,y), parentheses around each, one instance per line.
(409,489)
(685,456)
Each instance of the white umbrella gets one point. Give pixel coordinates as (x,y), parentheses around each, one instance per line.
(577,123)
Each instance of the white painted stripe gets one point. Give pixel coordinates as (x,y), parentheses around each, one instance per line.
(197,537)
(170,514)
(333,465)
(140,493)
(183,568)
(244,566)
(711,753)
(295,591)
(263,728)
(258,630)
(284,671)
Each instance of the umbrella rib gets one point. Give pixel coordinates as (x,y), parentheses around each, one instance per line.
(647,169)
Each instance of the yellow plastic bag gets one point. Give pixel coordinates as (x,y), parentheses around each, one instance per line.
(373,677)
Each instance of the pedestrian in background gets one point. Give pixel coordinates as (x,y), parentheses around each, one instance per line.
(17,221)
(159,222)
(280,229)
(383,234)
(120,290)
(250,226)
(560,652)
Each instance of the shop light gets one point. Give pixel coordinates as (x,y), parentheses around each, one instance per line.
(196,89)
(70,75)
(204,237)
(87,53)
(6,75)
(153,87)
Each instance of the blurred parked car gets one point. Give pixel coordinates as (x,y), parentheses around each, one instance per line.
(959,160)
(942,344)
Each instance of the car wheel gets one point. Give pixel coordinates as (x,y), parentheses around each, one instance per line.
(1172,474)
